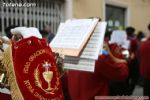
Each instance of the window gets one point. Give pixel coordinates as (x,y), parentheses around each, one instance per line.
(115,17)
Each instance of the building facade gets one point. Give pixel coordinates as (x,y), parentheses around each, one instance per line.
(118,13)
(136,12)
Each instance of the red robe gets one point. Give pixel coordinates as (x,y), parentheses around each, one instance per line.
(4,96)
(145,59)
(86,85)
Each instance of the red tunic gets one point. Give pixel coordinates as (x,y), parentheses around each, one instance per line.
(133,45)
(145,59)
(86,85)
(4,96)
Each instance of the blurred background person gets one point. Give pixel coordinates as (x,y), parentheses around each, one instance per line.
(47,33)
(120,38)
(111,65)
(133,63)
(145,64)
(4,85)
(140,37)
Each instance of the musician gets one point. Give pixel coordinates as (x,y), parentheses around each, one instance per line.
(145,64)
(111,65)
(133,63)
(31,67)
(120,38)
(4,87)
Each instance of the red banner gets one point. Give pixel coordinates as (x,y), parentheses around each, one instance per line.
(35,70)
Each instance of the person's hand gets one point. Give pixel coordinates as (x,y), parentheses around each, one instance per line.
(105,46)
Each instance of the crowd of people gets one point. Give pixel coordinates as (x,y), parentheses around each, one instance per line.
(122,66)
(124,63)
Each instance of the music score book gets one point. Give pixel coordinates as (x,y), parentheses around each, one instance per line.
(89,52)
(86,61)
(72,36)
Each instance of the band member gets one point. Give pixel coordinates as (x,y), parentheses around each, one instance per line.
(120,38)
(145,64)
(134,63)
(31,67)
(109,66)
(4,87)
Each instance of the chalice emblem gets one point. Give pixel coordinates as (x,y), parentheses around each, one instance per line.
(47,75)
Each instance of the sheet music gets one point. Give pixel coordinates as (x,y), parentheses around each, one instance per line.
(73,33)
(95,44)
(83,65)
(86,62)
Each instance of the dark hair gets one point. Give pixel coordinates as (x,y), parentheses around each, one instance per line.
(140,35)
(149,27)
(7,31)
(130,31)
(43,33)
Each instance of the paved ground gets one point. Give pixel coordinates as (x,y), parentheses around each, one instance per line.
(138,91)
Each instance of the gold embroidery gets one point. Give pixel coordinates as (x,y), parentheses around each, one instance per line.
(36,94)
(31,59)
(26,68)
(8,63)
(28,85)
(47,75)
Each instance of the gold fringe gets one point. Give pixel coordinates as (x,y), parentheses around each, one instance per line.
(8,63)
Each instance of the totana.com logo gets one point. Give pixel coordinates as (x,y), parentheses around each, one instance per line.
(11,4)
